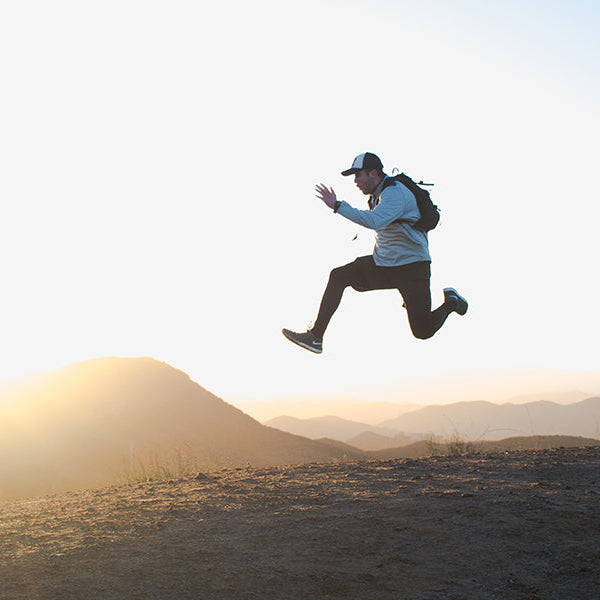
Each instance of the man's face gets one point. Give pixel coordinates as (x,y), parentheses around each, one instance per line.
(366,181)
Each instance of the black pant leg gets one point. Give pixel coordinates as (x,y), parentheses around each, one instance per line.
(358,274)
(424,322)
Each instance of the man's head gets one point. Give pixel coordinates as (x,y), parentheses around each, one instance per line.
(367,169)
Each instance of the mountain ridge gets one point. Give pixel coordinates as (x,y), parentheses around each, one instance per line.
(326,426)
(473,420)
(482,419)
(100,421)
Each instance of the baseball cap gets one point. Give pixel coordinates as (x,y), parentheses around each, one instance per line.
(366,160)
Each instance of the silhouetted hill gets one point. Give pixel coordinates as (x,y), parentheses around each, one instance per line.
(538,442)
(424,448)
(95,422)
(484,420)
(429,447)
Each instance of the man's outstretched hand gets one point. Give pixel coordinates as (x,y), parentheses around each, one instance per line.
(327,195)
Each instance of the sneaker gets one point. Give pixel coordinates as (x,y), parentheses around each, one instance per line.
(306,340)
(460,304)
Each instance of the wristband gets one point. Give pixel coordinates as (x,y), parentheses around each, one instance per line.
(336,206)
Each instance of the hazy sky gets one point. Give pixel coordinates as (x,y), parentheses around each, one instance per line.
(159,161)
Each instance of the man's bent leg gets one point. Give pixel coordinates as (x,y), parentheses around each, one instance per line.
(424,322)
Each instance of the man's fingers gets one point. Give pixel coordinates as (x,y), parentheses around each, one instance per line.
(326,194)
(323,189)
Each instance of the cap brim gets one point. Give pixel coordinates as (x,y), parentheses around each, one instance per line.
(350,172)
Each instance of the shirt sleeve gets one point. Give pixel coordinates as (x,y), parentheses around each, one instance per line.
(393,205)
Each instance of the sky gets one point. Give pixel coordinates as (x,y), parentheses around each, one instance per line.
(158,169)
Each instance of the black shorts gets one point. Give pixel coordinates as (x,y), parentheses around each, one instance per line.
(364,275)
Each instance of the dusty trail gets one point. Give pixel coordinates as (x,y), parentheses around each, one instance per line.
(519,525)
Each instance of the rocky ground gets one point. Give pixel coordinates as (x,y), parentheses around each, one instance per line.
(522,525)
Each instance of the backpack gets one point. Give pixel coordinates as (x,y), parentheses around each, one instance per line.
(430,213)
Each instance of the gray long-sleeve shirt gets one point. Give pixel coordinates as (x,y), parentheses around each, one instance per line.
(395,243)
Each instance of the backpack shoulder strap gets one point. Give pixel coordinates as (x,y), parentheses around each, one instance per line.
(388,181)
(391,180)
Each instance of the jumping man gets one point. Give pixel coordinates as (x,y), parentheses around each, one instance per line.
(400,259)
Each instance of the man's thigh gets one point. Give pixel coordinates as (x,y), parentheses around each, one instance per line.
(412,279)
(417,296)
(367,276)
(417,299)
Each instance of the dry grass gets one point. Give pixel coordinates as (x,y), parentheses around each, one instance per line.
(455,445)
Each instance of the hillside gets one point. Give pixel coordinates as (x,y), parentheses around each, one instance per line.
(517,525)
(458,447)
(106,420)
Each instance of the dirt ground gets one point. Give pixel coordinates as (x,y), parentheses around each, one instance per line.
(522,525)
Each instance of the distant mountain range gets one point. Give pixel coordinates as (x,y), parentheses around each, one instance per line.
(350,409)
(359,435)
(470,420)
(374,413)
(330,427)
(488,421)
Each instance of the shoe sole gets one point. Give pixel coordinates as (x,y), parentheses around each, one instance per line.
(452,291)
(301,344)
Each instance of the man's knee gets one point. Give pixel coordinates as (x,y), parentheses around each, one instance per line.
(421,329)
(339,276)
(422,334)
